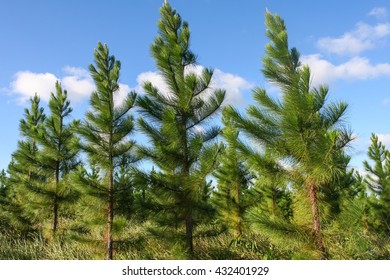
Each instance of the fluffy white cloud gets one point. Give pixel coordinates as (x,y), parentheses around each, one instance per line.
(80,85)
(385,139)
(76,81)
(353,43)
(363,37)
(358,68)
(378,12)
(26,84)
(155,78)
(122,93)
(233,84)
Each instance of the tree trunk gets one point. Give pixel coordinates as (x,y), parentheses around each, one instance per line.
(313,190)
(186,172)
(189,229)
(110,208)
(273,194)
(110,217)
(55,214)
(55,199)
(238,205)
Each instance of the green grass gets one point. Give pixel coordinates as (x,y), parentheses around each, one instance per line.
(35,248)
(143,242)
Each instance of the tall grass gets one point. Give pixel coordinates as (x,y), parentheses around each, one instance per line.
(138,241)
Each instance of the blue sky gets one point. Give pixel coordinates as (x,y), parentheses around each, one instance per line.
(346,43)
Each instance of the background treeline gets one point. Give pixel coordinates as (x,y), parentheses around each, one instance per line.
(272,182)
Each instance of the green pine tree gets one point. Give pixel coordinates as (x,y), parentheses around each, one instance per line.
(3,186)
(340,188)
(233,181)
(378,181)
(57,156)
(303,133)
(176,123)
(3,200)
(105,130)
(124,185)
(270,196)
(23,171)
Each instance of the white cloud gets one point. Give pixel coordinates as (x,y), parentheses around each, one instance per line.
(76,81)
(385,139)
(79,84)
(362,38)
(357,68)
(121,94)
(155,78)
(378,12)
(26,84)
(233,84)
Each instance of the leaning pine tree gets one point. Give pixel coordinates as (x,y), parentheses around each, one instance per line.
(304,135)
(105,133)
(176,124)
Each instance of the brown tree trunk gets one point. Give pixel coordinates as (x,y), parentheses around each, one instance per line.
(55,214)
(313,189)
(189,230)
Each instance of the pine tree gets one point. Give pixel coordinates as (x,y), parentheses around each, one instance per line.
(24,170)
(124,185)
(270,196)
(58,155)
(233,181)
(3,199)
(378,181)
(303,134)
(105,130)
(3,186)
(358,187)
(340,188)
(175,123)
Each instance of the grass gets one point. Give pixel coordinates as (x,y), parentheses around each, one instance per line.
(143,242)
(35,248)
(138,243)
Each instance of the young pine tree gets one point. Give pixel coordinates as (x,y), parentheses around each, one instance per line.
(23,171)
(233,177)
(124,194)
(272,199)
(175,123)
(378,181)
(105,132)
(3,198)
(58,155)
(3,185)
(303,133)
